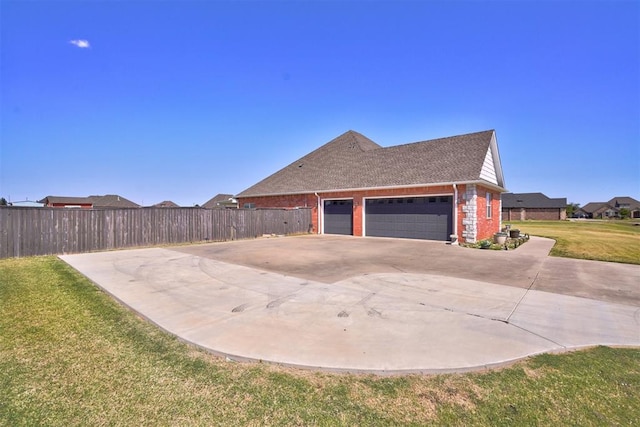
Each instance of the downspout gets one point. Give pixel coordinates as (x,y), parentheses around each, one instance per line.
(455,213)
(318,209)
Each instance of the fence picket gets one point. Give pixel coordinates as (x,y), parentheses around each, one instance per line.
(48,231)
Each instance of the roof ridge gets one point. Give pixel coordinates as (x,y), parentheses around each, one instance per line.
(444,138)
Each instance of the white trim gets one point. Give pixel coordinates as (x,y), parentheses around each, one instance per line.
(497,163)
(321,201)
(455,212)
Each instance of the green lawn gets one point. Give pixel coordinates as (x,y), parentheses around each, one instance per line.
(615,241)
(70,355)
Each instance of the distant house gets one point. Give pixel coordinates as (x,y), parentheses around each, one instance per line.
(26,204)
(610,209)
(441,189)
(67,202)
(166,204)
(221,201)
(523,206)
(95,202)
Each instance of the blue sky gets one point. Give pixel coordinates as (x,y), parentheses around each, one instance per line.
(181,100)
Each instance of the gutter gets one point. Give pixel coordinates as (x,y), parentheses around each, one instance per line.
(455,214)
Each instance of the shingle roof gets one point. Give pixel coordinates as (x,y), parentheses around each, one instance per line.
(215,201)
(532,200)
(592,207)
(67,200)
(166,204)
(624,201)
(112,201)
(353,161)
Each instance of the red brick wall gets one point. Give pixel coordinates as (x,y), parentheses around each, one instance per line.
(546,214)
(486,228)
(64,205)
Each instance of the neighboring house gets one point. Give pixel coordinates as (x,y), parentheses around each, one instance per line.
(611,209)
(221,201)
(26,204)
(112,201)
(95,202)
(434,190)
(629,203)
(166,204)
(523,206)
(67,202)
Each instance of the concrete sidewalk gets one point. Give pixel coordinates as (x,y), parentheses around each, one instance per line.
(383,322)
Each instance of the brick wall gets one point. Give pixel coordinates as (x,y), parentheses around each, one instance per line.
(471,215)
(487,227)
(522,214)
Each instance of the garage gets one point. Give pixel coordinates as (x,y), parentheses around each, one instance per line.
(428,218)
(338,217)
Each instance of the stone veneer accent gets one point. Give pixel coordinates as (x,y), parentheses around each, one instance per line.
(470,210)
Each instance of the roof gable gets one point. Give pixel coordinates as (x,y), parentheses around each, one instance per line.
(66,200)
(352,161)
(166,204)
(215,201)
(624,202)
(112,201)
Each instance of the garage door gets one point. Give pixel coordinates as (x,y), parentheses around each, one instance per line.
(410,217)
(338,217)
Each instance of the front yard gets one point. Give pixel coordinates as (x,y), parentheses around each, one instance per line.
(71,355)
(614,241)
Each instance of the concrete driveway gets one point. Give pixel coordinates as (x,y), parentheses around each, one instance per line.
(371,304)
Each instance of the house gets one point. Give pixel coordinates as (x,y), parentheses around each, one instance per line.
(611,209)
(67,202)
(221,201)
(26,204)
(442,189)
(112,201)
(95,202)
(628,203)
(166,204)
(523,206)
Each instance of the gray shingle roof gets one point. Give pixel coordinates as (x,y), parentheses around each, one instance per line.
(67,200)
(166,204)
(112,201)
(592,207)
(107,201)
(532,200)
(624,201)
(215,201)
(353,161)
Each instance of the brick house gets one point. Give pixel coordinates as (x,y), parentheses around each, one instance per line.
(611,209)
(436,190)
(95,202)
(524,206)
(221,201)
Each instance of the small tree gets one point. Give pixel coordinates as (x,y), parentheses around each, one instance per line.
(572,208)
(3,201)
(624,213)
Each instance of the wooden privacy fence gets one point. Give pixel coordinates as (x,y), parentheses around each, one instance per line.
(47,231)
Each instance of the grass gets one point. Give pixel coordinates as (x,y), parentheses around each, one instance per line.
(613,241)
(70,355)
